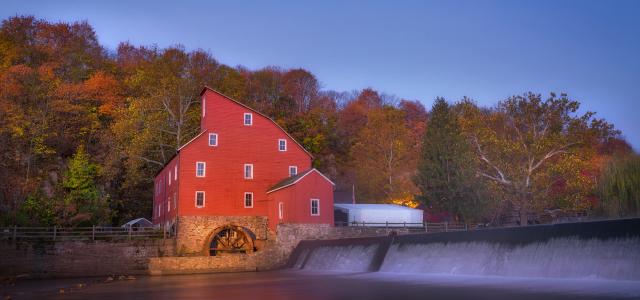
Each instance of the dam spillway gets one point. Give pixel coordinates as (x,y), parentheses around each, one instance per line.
(594,250)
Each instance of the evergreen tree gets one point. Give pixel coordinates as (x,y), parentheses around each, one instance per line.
(83,203)
(445,170)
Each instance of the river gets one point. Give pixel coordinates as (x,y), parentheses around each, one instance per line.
(301,284)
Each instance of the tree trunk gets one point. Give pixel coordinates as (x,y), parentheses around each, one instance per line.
(524,220)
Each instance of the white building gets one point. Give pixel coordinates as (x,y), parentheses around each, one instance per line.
(377,215)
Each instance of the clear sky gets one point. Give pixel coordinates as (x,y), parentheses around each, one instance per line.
(487,50)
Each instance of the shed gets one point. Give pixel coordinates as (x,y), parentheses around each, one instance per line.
(377,215)
(137,223)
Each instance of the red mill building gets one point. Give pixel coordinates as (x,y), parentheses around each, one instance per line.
(237,180)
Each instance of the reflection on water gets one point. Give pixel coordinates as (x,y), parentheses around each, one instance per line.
(334,286)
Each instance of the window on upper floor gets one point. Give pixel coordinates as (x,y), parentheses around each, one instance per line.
(168,205)
(169,177)
(248,119)
(293,171)
(248,171)
(282,145)
(315,207)
(248,200)
(213,139)
(199,199)
(200,169)
(175,172)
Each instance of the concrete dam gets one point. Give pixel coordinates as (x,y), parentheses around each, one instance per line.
(602,250)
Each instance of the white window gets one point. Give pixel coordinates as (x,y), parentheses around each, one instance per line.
(282,145)
(248,171)
(169,177)
(315,207)
(200,166)
(199,199)
(293,171)
(175,172)
(280,210)
(203,106)
(213,139)
(248,119)
(248,199)
(168,205)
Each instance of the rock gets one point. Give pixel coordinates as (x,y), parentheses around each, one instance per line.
(60,291)
(109,279)
(122,277)
(131,277)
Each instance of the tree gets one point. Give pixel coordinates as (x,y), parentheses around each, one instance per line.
(619,187)
(526,145)
(83,203)
(380,156)
(446,174)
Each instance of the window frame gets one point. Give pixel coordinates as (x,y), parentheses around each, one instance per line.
(175,172)
(285,145)
(203,199)
(168,205)
(244,171)
(209,140)
(280,210)
(204,169)
(169,177)
(204,106)
(244,119)
(294,168)
(245,199)
(317,206)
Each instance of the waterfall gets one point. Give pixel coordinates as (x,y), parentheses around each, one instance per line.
(558,258)
(355,258)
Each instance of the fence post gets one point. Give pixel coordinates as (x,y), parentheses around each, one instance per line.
(425,227)
(465,227)
(164,231)
(15,233)
(446,226)
(386,225)
(404,224)
(93,233)
(54,232)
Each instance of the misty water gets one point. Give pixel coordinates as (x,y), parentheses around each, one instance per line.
(557,268)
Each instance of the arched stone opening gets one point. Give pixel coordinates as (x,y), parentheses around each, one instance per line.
(230,239)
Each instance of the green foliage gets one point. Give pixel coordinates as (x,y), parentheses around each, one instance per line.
(37,210)
(619,187)
(446,175)
(83,202)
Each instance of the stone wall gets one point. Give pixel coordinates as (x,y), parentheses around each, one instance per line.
(195,232)
(40,259)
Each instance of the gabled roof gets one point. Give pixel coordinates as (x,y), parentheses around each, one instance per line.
(259,113)
(295,179)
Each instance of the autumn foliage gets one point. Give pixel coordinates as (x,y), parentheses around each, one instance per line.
(83,128)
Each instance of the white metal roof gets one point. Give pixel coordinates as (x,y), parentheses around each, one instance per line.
(372,207)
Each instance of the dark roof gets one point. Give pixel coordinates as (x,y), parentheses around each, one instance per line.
(294,179)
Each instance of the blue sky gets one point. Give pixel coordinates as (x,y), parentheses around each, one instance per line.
(487,50)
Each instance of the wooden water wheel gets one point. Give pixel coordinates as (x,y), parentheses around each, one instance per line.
(231,239)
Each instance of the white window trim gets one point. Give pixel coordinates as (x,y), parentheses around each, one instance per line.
(280,210)
(293,167)
(168,205)
(204,168)
(175,172)
(244,171)
(244,119)
(311,207)
(169,177)
(209,141)
(203,199)
(244,199)
(285,145)
(204,107)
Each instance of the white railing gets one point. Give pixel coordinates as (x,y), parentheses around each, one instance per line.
(93,233)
